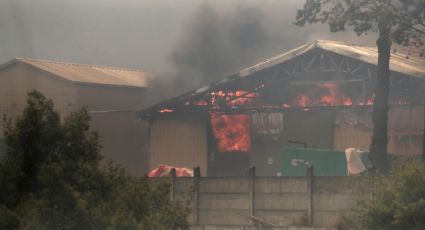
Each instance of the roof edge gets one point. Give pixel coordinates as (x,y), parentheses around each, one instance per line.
(19,59)
(279,59)
(24,61)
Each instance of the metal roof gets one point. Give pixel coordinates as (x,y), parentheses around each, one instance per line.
(399,62)
(90,74)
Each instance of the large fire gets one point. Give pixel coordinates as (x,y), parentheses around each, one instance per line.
(325,94)
(232,132)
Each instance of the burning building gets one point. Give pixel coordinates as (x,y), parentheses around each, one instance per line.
(319,95)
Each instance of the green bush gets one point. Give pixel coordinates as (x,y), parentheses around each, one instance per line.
(398,200)
(51,178)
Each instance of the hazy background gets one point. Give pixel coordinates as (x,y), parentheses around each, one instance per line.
(184,43)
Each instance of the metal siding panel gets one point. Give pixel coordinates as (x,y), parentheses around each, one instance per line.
(349,136)
(267,143)
(405,130)
(313,127)
(178,143)
(353,129)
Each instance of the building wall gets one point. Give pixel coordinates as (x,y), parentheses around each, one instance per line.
(17,80)
(99,97)
(314,128)
(352,129)
(178,142)
(124,138)
(405,130)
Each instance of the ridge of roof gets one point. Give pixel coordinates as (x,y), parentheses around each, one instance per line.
(363,53)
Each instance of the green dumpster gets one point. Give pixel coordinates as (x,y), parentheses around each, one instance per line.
(325,162)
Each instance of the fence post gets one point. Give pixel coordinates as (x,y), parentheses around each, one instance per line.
(196,176)
(172,183)
(371,174)
(251,191)
(310,178)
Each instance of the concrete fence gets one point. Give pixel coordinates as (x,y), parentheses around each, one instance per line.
(268,202)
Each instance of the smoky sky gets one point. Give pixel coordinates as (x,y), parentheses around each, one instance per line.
(184,43)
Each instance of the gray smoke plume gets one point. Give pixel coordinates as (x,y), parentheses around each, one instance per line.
(202,41)
(217,42)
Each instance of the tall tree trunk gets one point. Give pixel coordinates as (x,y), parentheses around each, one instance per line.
(378,147)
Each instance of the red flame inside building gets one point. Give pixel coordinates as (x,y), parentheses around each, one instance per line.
(324,94)
(166,111)
(232,98)
(232,132)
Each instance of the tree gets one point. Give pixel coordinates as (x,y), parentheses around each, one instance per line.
(51,178)
(398,203)
(401,21)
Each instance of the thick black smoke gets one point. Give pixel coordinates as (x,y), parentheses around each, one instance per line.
(215,44)
(203,42)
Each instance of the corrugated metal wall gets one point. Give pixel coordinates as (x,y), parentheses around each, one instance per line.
(178,142)
(267,143)
(350,136)
(274,131)
(315,128)
(352,129)
(405,130)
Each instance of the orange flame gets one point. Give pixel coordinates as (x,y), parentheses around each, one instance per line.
(331,98)
(200,103)
(232,132)
(347,101)
(368,102)
(166,111)
(303,100)
(324,94)
(232,98)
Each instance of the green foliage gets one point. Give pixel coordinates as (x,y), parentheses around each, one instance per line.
(398,201)
(405,19)
(51,179)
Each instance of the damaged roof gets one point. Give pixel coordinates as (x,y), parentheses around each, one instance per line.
(399,62)
(89,74)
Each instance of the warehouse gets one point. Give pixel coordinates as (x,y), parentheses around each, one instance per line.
(319,96)
(111,95)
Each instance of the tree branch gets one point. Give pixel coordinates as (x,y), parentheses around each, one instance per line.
(416,29)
